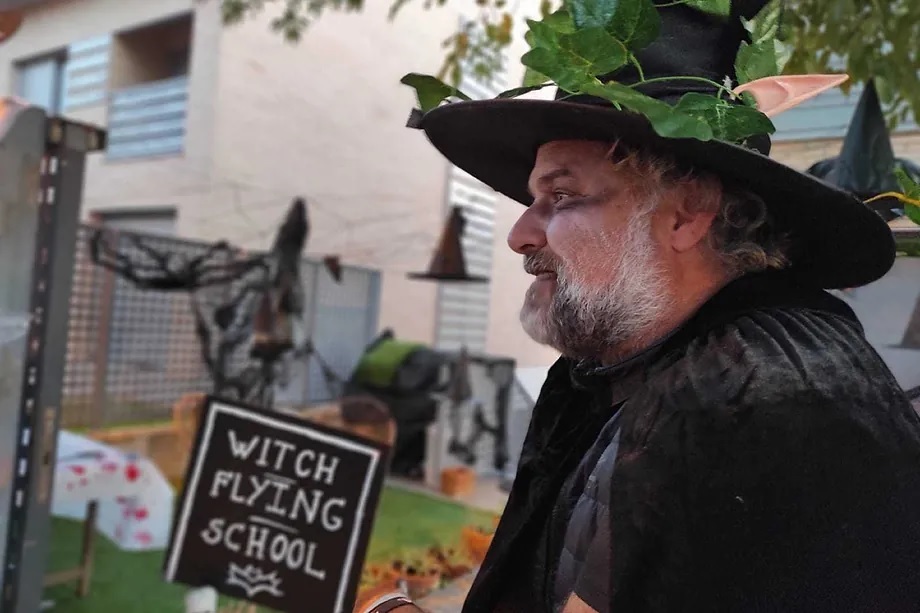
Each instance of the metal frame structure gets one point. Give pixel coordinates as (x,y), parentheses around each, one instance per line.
(42,162)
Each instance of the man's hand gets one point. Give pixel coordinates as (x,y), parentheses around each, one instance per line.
(576,605)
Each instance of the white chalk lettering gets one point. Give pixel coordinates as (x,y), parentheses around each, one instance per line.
(284,447)
(308,566)
(303,473)
(212,534)
(221,478)
(256,541)
(278,548)
(309,507)
(258,486)
(326,469)
(332,523)
(227,542)
(295,553)
(263,457)
(240,449)
(234,491)
(255,547)
(274,507)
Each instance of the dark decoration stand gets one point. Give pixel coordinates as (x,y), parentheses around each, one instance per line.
(236,300)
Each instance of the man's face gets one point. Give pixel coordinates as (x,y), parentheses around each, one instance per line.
(589,239)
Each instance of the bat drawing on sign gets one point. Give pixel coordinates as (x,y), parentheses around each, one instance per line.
(253,580)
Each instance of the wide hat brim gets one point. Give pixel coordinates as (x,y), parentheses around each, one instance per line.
(837,241)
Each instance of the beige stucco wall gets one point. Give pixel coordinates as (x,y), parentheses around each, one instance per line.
(179,181)
(326,119)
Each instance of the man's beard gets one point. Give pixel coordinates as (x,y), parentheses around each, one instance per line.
(590,322)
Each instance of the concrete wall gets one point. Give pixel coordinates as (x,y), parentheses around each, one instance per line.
(180,181)
(325,118)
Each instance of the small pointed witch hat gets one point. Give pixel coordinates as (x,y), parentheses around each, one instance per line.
(333,264)
(448,263)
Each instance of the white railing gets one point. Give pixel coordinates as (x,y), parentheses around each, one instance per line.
(148,119)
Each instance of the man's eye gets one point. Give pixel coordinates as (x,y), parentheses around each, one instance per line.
(563,200)
(559,196)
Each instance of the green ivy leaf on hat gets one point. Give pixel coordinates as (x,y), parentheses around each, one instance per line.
(570,47)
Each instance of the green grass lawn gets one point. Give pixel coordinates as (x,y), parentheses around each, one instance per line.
(124,581)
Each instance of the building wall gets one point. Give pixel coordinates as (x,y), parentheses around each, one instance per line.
(182,180)
(325,119)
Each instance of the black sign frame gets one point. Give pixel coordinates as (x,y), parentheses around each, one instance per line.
(195,489)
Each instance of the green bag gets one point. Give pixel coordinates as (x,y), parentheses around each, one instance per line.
(379,366)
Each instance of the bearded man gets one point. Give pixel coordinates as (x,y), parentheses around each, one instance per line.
(718,436)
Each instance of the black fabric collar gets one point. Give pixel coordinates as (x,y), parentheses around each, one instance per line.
(567,419)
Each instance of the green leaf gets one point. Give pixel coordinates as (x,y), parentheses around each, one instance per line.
(908,186)
(520,91)
(635,23)
(592,13)
(913,212)
(560,21)
(715,7)
(545,33)
(572,60)
(765,25)
(665,120)
(594,49)
(542,34)
(729,122)
(756,61)
(532,77)
(431,91)
(550,62)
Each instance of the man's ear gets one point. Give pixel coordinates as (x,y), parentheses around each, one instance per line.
(696,204)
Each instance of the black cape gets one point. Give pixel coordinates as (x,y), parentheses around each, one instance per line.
(769,462)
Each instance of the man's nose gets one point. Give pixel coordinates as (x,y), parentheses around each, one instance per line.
(528,234)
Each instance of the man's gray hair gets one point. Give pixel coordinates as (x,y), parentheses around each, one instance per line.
(743,233)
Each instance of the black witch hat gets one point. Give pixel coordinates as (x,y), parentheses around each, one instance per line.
(447,261)
(867,162)
(496,141)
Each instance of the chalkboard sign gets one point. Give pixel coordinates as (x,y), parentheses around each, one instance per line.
(275,510)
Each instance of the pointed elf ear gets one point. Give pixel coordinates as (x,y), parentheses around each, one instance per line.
(781,93)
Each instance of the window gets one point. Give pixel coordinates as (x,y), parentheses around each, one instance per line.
(41,81)
(141,322)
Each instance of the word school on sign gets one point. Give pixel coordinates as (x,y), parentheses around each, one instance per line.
(261,543)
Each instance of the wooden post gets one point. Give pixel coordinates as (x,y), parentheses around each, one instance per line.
(89,546)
